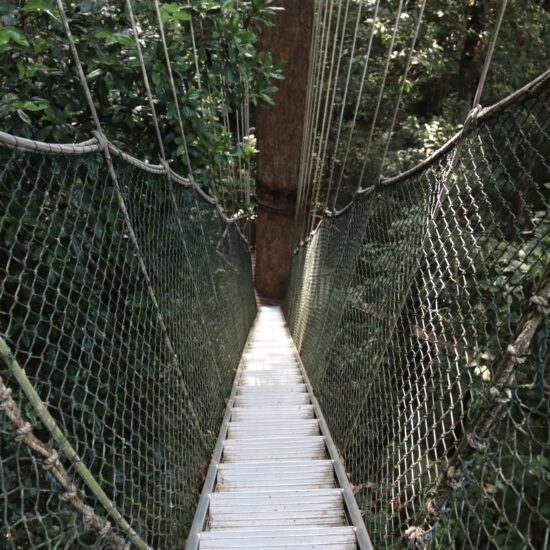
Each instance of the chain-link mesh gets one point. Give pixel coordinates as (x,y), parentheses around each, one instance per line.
(127,306)
(419,315)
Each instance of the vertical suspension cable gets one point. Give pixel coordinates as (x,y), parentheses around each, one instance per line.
(304,157)
(380,94)
(402,87)
(334,82)
(145,77)
(317,101)
(173,88)
(317,165)
(344,98)
(120,197)
(490,52)
(307,133)
(357,103)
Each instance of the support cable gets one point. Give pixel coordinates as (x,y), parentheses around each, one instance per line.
(299,213)
(332,100)
(380,94)
(358,102)
(438,203)
(402,87)
(145,78)
(173,88)
(160,318)
(314,111)
(344,99)
(321,63)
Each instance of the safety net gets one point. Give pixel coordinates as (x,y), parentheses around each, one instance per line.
(418,312)
(125,300)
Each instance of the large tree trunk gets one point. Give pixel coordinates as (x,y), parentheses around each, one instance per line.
(279,131)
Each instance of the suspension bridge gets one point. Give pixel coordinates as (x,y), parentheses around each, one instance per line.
(396,397)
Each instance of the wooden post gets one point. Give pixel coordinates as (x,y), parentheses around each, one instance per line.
(279,132)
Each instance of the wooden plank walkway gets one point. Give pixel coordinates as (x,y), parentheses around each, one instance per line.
(272,480)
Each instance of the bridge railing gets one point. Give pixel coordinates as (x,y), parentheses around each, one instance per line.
(419,313)
(125,299)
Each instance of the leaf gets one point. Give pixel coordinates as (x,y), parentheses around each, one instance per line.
(175,10)
(41,6)
(33,106)
(7,35)
(24,116)
(113,37)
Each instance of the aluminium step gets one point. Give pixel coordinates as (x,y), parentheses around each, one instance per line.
(275,480)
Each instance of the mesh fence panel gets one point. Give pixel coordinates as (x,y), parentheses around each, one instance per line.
(415,317)
(127,308)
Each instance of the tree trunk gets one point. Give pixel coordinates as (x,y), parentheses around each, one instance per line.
(279,132)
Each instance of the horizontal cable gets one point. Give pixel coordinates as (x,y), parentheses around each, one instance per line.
(481,115)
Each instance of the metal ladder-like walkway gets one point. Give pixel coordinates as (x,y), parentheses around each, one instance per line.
(275,480)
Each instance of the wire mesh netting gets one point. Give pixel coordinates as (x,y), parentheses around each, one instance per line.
(419,315)
(126,306)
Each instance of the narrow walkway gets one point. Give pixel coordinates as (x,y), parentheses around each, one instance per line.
(274,482)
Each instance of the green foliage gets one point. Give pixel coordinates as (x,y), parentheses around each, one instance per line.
(403,308)
(445,69)
(80,319)
(216,66)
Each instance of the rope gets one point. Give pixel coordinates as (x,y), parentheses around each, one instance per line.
(329,100)
(24,433)
(476,114)
(342,110)
(101,138)
(298,219)
(380,94)
(173,88)
(402,87)
(145,77)
(317,93)
(358,102)
(490,52)
(300,214)
(24,144)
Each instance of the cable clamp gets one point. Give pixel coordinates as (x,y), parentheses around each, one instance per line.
(455,477)
(417,537)
(515,356)
(498,396)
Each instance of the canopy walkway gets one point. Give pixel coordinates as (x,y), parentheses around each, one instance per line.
(397,398)
(274,485)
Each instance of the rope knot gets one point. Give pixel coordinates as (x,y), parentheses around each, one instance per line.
(69,494)
(23,431)
(476,442)
(106,530)
(540,303)
(515,356)
(416,537)
(5,398)
(88,515)
(471,118)
(455,477)
(50,461)
(504,396)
